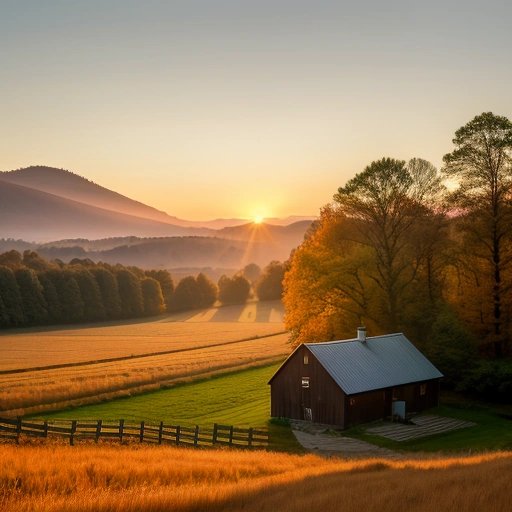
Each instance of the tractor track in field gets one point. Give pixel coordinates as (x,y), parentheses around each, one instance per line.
(133,356)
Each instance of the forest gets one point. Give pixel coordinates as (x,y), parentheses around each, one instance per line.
(404,247)
(34,291)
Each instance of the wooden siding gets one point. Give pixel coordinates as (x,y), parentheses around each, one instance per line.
(329,404)
(323,397)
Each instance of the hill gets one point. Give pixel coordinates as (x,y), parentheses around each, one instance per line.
(34,215)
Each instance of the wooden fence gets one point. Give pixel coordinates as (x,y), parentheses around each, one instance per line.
(74,430)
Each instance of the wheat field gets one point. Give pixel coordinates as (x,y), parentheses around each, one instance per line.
(90,478)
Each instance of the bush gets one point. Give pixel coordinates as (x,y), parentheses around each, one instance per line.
(490,380)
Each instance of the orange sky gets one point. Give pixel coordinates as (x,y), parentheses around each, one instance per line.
(235,109)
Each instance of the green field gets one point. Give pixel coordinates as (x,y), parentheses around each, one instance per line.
(240,398)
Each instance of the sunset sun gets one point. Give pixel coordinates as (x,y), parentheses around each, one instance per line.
(258,219)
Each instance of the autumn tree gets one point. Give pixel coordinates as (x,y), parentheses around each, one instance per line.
(481,167)
(187,295)
(251,272)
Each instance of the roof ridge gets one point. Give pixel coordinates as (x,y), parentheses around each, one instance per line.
(332,342)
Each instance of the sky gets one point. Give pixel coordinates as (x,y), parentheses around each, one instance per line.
(217,108)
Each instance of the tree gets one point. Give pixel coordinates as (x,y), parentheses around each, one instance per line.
(132,304)
(234,290)
(32,297)
(51,297)
(187,295)
(152,295)
(11,297)
(166,284)
(481,165)
(91,294)
(251,272)
(391,204)
(109,290)
(207,289)
(270,284)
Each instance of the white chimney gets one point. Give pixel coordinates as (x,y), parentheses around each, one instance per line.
(361,334)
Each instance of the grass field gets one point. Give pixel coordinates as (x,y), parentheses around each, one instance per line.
(105,478)
(493,431)
(241,399)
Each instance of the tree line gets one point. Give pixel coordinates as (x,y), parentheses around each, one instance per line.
(34,291)
(405,247)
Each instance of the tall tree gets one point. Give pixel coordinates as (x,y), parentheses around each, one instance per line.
(51,296)
(11,297)
(187,295)
(481,165)
(207,289)
(270,284)
(152,296)
(91,294)
(166,285)
(234,290)
(109,291)
(31,291)
(132,304)
(390,203)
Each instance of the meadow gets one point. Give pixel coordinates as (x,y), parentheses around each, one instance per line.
(89,478)
(239,398)
(185,347)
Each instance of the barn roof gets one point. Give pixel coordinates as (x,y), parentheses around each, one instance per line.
(379,362)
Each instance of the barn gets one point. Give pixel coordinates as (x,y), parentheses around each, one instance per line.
(354,381)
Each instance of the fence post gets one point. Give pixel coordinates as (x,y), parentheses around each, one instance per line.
(214,437)
(121,430)
(178,430)
(250,437)
(160,432)
(141,435)
(231,435)
(72,433)
(196,435)
(18,429)
(98,430)
(45,428)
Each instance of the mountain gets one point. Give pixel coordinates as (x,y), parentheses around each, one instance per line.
(34,215)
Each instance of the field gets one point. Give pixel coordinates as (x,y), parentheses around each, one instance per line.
(241,398)
(112,478)
(99,363)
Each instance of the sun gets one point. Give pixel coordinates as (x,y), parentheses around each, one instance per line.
(258,219)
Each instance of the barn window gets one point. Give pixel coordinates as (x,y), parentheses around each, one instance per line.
(306,359)
(423,389)
(305,382)
(352,401)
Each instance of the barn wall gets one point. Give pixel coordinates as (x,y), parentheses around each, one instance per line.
(323,397)
(374,405)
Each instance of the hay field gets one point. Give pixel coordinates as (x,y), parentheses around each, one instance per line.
(30,347)
(104,478)
(203,343)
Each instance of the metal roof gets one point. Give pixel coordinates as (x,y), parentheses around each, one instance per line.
(379,362)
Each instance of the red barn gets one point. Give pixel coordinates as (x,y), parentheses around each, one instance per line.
(347,382)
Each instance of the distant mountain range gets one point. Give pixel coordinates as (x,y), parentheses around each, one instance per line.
(44,204)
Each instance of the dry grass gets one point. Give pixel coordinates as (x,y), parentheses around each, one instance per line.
(50,347)
(52,389)
(111,478)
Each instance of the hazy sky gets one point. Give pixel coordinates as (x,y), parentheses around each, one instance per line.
(216,108)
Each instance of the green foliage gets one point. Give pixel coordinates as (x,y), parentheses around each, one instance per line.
(166,285)
(187,295)
(152,296)
(91,295)
(234,290)
(70,298)
(132,304)
(489,380)
(11,297)
(270,284)
(109,290)
(33,301)
(51,297)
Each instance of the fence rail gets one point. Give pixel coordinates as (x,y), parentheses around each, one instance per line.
(74,430)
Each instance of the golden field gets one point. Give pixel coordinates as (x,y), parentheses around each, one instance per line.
(43,347)
(203,343)
(116,478)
